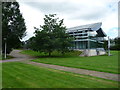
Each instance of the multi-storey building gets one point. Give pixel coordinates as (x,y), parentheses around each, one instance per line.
(89,36)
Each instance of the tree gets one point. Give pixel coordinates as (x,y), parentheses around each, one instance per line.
(13,25)
(105,45)
(29,44)
(117,44)
(51,36)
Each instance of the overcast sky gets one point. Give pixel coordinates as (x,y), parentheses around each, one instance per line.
(74,13)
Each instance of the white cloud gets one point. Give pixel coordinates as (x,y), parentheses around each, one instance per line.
(74,12)
(33,18)
(110,24)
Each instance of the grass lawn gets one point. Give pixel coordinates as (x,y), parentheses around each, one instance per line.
(98,63)
(21,75)
(1,76)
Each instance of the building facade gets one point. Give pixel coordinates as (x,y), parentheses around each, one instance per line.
(89,36)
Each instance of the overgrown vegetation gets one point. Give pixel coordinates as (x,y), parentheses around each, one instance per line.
(54,53)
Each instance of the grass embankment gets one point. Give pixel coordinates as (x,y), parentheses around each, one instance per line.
(54,54)
(20,75)
(102,63)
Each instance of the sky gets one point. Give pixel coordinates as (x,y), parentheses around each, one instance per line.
(74,13)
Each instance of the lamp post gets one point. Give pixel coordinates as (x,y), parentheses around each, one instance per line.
(5,47)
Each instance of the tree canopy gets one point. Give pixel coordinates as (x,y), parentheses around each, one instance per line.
(117,44)
(13,25)
(51,36)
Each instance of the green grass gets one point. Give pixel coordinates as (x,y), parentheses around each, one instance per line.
(102,63)
(1,76)
(54,54)
(8,57)
(21,75)
(0,57)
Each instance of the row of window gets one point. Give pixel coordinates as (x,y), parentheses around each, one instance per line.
(83,31)
(78,34)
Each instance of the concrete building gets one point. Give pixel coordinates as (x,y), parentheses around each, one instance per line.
(88,38)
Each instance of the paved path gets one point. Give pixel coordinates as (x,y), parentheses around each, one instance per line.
(26,59)
(17,56)
(80,71)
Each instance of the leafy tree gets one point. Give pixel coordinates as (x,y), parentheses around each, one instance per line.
(13,25)
(29,44)
(51,36)
(105,45)
(117,40)
(117,44)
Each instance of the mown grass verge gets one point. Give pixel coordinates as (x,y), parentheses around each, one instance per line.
(102,63)
(21,75)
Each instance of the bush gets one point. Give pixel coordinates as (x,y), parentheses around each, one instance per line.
(116,47)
